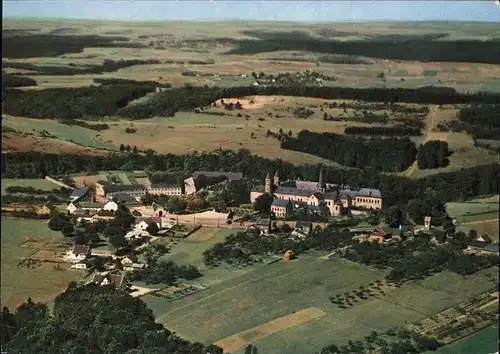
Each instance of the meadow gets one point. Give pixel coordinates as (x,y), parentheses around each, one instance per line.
(41,283)
(258,307)
(75,134)
(42,184)
(484,341)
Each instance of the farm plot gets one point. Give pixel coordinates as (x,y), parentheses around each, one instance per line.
(41,281)
(469,212)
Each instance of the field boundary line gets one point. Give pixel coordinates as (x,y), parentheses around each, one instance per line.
(477,222)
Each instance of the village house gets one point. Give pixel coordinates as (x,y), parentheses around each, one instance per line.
(82,265)
(481,247)
(165,189)
(264,225)
(86,206)
(282,208)
(80,194)
(159,211)
(314,194)
(103,215)
(77,253)
(379,235)
(106,278)
(304,226)
(110,206)
(142,223)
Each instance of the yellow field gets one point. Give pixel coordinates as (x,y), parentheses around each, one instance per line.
(242,339)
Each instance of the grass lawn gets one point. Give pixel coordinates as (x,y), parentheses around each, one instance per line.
(41,283)
(76,134)
(472,211)
(42,184)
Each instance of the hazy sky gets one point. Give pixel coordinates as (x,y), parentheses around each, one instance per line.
(306,11)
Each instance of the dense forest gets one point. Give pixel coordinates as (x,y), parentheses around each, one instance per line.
(91,319)
(389,154)
(418,49)
(482,121)
(107,66)
(458,185)
(386,131)
(115,81)
(433,154)
(71,103)
(18,45)
(112,99)
(9,80)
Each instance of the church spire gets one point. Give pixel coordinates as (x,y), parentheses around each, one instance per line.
(321,182)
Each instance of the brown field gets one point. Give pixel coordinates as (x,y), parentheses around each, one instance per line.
(48,255)
(203,234)
(15,142)
(244,338)
(81,180)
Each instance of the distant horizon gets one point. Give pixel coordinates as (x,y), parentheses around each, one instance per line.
(254,11)
(242,20)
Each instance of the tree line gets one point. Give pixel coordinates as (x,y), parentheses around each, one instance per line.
(9,80)
(71,103)
(433,154)
(449,186)
(108,65)
(387,131)
(116,81)
(390,154)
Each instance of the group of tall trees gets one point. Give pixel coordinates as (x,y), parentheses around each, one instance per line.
(91,319)
(387,131)
(481,121)
(9,80)
(433,154)
(389,154)
(456,185)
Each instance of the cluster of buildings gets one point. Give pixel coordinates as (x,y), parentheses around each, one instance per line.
(291,195)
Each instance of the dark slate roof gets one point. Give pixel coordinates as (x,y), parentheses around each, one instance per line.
(232,176)
(280,203)
(341,194)
(368,192)
(90,205)
(319,196)
(123,198)
(108,213)
(122,187)
(164,185)
(292,191)
(103,182)
(80,192)
(263,221)
(490,247)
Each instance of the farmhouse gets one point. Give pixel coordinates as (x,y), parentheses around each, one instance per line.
(380,235)
(313,194)
(142,223)
(118,280)
(77,253)
(480,247)
(304,226)
(124,198)
(264,225)
(103,215)
(165,189)
(83,206)
(282,208)
(81,265)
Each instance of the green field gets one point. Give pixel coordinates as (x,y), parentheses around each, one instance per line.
(482,342)
(41,283)
(42,184)
(269,292)
(473,210)
(75,134)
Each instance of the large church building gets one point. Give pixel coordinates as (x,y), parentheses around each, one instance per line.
(337,200)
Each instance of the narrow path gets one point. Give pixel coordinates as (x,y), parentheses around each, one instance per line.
(477,222)
(59,183)
(430,126)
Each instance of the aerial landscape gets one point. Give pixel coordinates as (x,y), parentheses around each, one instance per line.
(250,178)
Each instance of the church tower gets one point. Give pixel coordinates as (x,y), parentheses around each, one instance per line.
(321,183)
(268,183)
(276,179)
